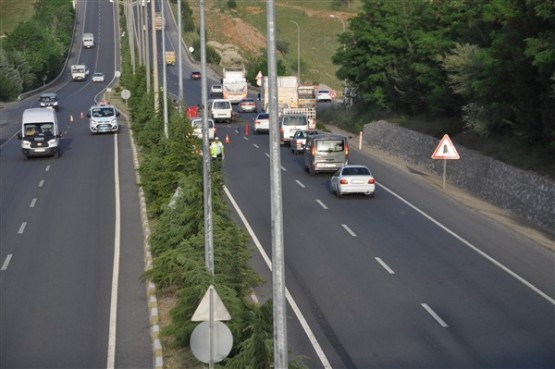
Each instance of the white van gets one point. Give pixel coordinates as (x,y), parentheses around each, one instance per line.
(103,118)
(291,123)
(220,110)
(88,40)
(197,128)
(40,134)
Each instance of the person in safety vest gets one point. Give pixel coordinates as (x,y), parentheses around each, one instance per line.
(217,149)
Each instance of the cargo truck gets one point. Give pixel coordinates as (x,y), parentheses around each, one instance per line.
(79,72)
(170,57)
(88,40)
(234,84)
(159,21)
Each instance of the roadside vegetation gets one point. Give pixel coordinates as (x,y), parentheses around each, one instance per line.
(33,53)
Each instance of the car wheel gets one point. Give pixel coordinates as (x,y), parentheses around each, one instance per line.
(338,194)
(371,195)
(311,171)
(57,154)
(25,157)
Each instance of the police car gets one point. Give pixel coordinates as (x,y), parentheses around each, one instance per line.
(103,118)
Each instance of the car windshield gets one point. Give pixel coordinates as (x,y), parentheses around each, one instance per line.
(330,145)
(39,129)
(294,121)
(356,171)
(103,112)
(47,98)
(323,92)
(263,116)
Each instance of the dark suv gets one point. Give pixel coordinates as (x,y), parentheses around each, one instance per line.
(49,99)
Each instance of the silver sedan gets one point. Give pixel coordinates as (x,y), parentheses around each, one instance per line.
(353,179)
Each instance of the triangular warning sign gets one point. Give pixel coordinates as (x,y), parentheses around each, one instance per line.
(202,314)
(445,150)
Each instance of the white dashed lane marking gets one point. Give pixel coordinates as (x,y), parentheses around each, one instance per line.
(321,204)
(41,183)
(349,230)
(6,262)
(300,183)
(384,265)
(22,228)
(434,315)
(33,202)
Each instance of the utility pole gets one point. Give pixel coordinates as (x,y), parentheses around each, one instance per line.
(164,71)
(179,60)
(278,263)
(156,87)
(298,51)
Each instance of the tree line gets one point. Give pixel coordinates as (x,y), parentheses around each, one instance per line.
(489,63)
(35,51)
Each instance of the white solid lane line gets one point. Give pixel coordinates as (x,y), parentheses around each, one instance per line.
(384,265)
(300,183)
(434,315)
(475,248)
(312,338)
(6,262)
(349,230)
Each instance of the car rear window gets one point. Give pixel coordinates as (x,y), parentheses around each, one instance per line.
(294,121)
(356,171)
(330,145)
(221,105)
(263,116)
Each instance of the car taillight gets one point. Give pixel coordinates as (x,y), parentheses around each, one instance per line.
(371,181)
(343,181)
(256,122)
(313,150)
(346,150)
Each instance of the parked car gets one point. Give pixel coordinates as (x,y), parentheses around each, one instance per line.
(298,141)
(197,128)
(247,105)
(261,123)
(323,96)
(195,75)
(216,90)
(49,99)
(98,77)
(353,179)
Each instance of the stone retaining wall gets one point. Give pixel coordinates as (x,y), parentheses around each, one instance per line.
(523,192)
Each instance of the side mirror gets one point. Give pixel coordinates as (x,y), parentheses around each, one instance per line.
(19,136)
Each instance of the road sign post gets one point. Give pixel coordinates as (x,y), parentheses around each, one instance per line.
(446,151)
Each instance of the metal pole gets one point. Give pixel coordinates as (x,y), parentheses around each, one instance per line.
(278,262)
(164,71)
(130,31)
(146,44)
(298,51)
(207,179)
(156,87)
(179,60)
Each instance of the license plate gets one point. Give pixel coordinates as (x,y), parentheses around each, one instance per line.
(328,165)
(40,150)
(358,181)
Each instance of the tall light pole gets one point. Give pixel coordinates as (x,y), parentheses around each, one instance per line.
(344,30)
(298,50)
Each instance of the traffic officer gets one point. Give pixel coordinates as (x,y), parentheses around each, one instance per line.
(217,149)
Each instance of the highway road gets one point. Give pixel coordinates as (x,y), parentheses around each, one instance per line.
(64,302)
(411,278)
(408,279)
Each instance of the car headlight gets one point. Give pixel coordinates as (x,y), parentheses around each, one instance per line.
(51,142)
(26,145)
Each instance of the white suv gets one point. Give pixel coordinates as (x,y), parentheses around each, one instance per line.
(216,90)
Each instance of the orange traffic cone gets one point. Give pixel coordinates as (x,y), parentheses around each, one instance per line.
(227,139)
(71,118)
(246,129)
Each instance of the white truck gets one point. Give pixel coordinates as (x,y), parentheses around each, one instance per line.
(234,84)
(88,40)
(292,98)
(79,72)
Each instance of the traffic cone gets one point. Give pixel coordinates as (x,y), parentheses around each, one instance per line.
(71,118)
(246,129)
(227,139)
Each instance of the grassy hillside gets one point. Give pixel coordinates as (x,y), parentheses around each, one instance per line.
(12,12)
(245,27)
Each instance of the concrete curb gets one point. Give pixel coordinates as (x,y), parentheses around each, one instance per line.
(158,358)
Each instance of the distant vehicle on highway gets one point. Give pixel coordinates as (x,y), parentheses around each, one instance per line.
(103,118)
(247,105)
(49,99)
(195,75)
(324,96)
(98,77)
(353,179)
(216,91)
(261,123)
(291,123)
